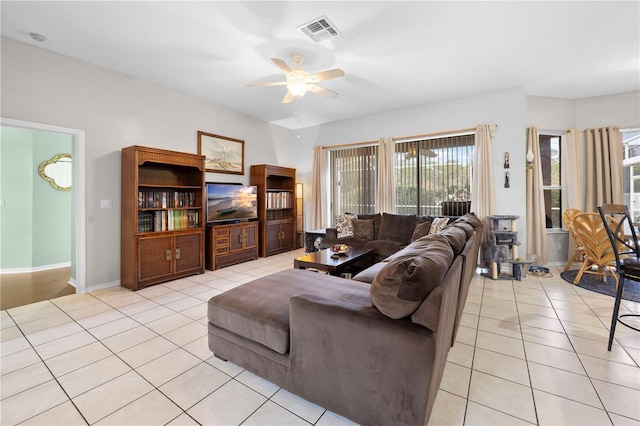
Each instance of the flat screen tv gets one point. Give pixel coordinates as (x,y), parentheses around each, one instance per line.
(228,202)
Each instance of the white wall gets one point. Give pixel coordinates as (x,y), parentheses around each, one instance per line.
(116,111)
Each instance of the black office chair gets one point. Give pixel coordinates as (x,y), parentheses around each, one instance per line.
(624,241)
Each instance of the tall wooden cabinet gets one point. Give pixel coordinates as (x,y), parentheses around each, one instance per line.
(162,216)
(276,207)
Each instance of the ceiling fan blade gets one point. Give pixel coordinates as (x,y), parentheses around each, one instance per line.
(318,90)
(288,98)
(267,84)
(282,65)
(326,75)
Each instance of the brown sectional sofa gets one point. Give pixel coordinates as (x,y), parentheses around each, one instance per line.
(389,233)
(355,347)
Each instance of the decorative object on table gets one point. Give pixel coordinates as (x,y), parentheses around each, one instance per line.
(222,154)
(339,249)
(507,184)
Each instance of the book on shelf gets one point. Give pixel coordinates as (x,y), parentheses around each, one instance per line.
(167,220)
(166,199)
(279,200)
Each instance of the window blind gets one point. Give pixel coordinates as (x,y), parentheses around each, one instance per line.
(353,179)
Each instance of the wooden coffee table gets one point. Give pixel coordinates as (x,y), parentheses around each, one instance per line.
(324,260)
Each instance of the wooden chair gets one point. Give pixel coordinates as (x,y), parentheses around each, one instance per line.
(624,244)
(597,247)
(578,252)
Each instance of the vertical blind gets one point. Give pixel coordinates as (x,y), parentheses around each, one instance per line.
(434,176)
(353,179)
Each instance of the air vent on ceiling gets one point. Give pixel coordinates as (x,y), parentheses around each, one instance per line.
(319,29)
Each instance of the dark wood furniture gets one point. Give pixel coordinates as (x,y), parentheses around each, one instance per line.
(162,216)
(325,260)
(276,207)
(230,244)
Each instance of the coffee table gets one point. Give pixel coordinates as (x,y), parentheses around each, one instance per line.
(324,260)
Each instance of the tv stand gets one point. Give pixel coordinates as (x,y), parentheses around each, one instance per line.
(230,243)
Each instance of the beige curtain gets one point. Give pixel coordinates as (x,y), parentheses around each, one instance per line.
(536,220)
(318,202)
(386,187)
(483,202)
(573,171)
(592,168)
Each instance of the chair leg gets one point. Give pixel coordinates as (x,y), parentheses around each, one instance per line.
(616,309)
(583,268)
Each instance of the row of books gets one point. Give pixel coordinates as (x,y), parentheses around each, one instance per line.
(168,220)
(165,199)
(279,200)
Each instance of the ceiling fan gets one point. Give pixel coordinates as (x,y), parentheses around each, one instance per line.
(299,81)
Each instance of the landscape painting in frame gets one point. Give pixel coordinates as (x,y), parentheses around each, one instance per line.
(222,154)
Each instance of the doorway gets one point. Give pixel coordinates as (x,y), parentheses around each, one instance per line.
(77,269)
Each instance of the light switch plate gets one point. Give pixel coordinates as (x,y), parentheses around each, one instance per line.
(105,204)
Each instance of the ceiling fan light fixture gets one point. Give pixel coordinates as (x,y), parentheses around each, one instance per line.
(297,89)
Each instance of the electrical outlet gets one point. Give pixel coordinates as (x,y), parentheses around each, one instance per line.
(105,204)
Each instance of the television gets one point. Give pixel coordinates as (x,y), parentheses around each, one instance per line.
(230,202)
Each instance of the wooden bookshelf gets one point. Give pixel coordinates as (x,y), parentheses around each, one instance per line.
(276,207)
(162,216)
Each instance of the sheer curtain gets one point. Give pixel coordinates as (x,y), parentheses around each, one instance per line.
(483,201)
(592,167)
(536,223)
(386,183)
(318,202)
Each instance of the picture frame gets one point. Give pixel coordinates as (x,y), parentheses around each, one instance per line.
(222,154)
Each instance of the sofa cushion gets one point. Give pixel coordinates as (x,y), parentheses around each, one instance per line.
(457,238)
(405,281)
(397,227)
(466,227)
(344,224)
(363,228)
(259,310)
(438,224)
(471,219)
(369,274)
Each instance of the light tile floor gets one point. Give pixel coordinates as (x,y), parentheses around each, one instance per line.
(528,352)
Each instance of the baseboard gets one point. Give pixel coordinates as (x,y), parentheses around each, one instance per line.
(35,268)
(102,286)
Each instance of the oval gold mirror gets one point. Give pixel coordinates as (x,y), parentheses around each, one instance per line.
(57,171)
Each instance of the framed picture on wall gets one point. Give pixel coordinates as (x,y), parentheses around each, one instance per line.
(222,154)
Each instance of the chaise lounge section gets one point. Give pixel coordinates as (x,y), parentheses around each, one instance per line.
(372,352)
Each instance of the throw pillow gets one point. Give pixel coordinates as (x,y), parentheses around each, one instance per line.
(438,224)
(421,230)
(363,229)
(404,282)
(344,225)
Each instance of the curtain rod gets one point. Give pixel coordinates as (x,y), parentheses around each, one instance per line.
(397,139)
(428,135)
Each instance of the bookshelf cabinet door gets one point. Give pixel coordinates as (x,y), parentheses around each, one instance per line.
(188,252)
(155,257)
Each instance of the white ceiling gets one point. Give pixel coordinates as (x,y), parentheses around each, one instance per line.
(395,54)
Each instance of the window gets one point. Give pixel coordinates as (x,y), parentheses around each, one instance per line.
(353,179)
(631,170)
(434,176)
(551,186)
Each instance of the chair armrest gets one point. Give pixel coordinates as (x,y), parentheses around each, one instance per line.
(359,363)
(331,233)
